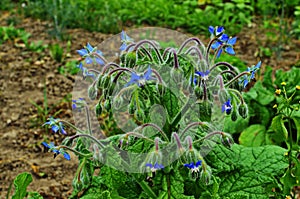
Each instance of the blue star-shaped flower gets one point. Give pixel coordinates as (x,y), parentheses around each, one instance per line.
(126,40)
(89,54)
(203,75)
(246,79)
(194,167)
(55,125)
(155,166)
(227,43)
(78,104)
(140,80)
(85,72)
(55,151)
(217,31)
(227,107)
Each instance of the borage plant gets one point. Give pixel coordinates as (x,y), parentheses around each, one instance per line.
(165,107)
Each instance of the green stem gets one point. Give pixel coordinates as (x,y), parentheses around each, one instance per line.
(192,125)
(146,188)
(154,126)
(140,136)
(74,151)
(290,142)
(209,135)
(71,125)
(236,77)
(238,94)
(88,136)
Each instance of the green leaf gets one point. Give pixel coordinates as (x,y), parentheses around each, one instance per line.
(120,183)
(173,186)
(278,127)
(104,195)
(265,96)
(254,135)
(170,102)
(289,181)
(235,126)
(247,171)
(21,182)
(297,124)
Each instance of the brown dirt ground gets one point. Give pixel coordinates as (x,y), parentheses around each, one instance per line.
(23,76)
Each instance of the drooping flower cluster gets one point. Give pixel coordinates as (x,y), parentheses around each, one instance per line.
(142,79)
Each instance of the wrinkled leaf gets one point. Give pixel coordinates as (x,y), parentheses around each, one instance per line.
(254,135)
(248,171)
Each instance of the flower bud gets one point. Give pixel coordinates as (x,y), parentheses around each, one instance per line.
(243,110)
(198,92)
(233,115)
(105,81)
(205,175)
(99,83)
(83,176)
(92,92)
(227,140)
(111,88)
(130,59)
(107,104)
(98,109)
(205,110)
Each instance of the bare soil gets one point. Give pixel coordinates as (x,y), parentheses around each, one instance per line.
(23,76)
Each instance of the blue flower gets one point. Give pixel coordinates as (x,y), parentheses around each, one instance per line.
(246,79)
(194,167)
(55,151)
(55,125)
(126,40)
(90,54)
(140,80)
(227,43)
(217,31)
(253,69)
(222,39)
(155,166)
(203,75)
(78,104)
(227,107)
(85,71)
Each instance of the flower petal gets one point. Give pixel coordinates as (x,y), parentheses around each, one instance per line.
(258,65)
(54,128)
(88,60)
(216,45)
(232,41)
(147,75)
(89,47)
(82,52)
(99,61)
(211,29)
(224,38)
(229,50)
(67,156)
(219,53)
